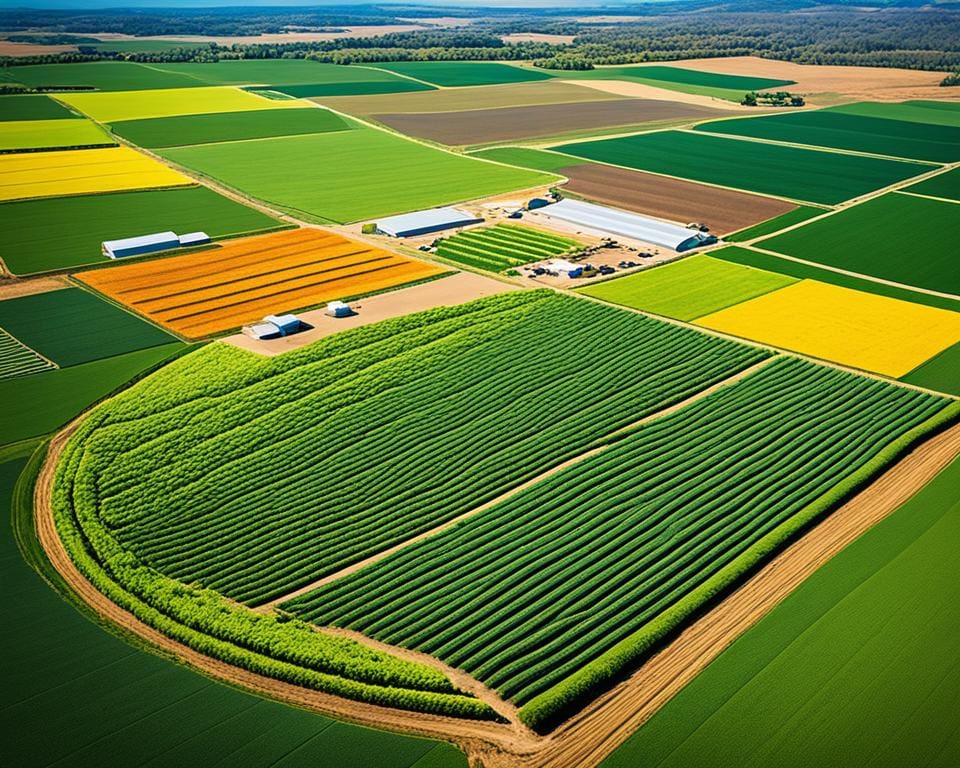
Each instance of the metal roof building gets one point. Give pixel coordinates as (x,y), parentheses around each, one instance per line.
(616,222)
(425,222)
(136,246)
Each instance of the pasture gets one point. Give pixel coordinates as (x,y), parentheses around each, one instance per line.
(351,175)
(17,359)
(19,135)
(85,221)
(454,377)
(945,185)
(82,171)
(483,126)
(503,246)
(32,107)
(184,130)
(800,174)
(862,330)
(894,237)
(73,326)
(558,590)
(861,654)
(455,74)
(101,75)
(136,105)
(842,130)
(688,288)
(203,293)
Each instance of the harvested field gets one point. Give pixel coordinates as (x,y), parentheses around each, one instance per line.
(723,210)
(863,330)
(8,48)
(537,37)
(482,126)
(635,89)
(471,97)
(204,293)
(82,171)
(135,105)
(22,135)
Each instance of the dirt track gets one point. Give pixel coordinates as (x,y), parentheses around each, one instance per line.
(587,738)
(723,210)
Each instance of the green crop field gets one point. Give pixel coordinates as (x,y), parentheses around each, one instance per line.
(17,359)
(360,87)
(941,373)
(503,246)
(945,185)
(73,326)
(226,126)
(32,107)
(855,667)
(148,711)
(841,130)
(60,233)
(277,72)
(802,174)
(928,112)
(801,271)
(896,237)
(17,135)
(102,75)
(529,158)
(688,288)
(684,76)
(559,589)
(144,46)
(459,73)
(351,175)
(47,401)
(409,369)
(797,215)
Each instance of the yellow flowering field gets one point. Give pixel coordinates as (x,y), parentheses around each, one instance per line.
(862,330)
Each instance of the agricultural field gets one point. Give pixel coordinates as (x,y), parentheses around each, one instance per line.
(893,237)
(483,126)
(183,130)
(102,75)
(503,246)
(32,245)
(17,359)
(81,172)
(843,130)
(96,329)
(722,210)
(689,288)
(540,597)
(941,372)
(351,175)
(862,655)
(796,216)
(862,330)
(927,112)
(32,107)
(207,292)
(943,185)
(455,74)
(800,174)
(22,135)
(138,105)
(526,157)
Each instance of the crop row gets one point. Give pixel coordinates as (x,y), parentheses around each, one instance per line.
(503,246)
(17,359)
(553,592)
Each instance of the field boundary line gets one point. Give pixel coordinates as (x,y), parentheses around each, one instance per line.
(395,74)
(928,197)
(607,441)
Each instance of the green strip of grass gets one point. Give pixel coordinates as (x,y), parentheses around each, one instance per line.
(946,185)
(461,73)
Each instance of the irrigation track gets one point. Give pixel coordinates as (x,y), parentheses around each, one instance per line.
(592,734)
(350,569)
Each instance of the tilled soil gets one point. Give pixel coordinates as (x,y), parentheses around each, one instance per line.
(722,210)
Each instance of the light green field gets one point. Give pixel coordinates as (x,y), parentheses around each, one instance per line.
(275,72)
(135,105)
(102,75)
(351,175)
(689,288)
(51,134)
(929,112)
(530,158)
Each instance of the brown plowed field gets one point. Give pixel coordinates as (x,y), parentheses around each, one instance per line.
(206,292)
(722,210)
(481,126)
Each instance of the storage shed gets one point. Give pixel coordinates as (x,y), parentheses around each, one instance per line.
(338,309)
(425,222)
(261,331)
(566,268)
(286,324)
(137,246)
(616,222)
(194,238)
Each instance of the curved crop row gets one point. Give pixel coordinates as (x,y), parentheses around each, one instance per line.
(503,246)
(549,595)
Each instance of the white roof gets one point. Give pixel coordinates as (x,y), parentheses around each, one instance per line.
(433,219)
(194,237)
(281,320)
(564,265)
(623,223)
(157,238)
(336,304)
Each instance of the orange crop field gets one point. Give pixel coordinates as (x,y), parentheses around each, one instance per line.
(210,291)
